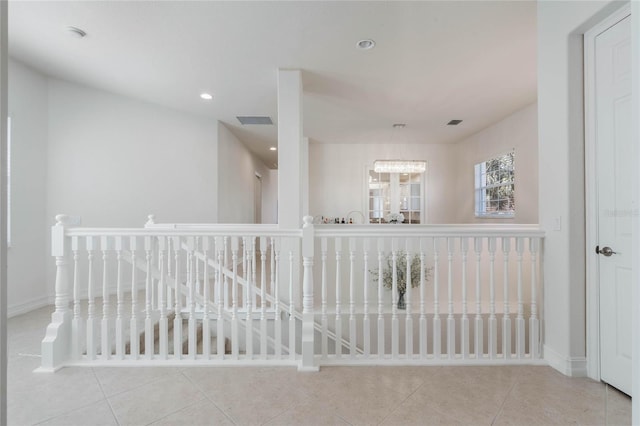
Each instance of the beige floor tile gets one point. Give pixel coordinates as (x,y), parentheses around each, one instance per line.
(355,399)
(554,400)
(153,401)
(120,379)
(249,395)
(415,412)
(35,397)
(201,413)
(468,395)
(618,407)
(308,414)
(98,414)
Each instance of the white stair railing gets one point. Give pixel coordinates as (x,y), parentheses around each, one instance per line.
(387,294)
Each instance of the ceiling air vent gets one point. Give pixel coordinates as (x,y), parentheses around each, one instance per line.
(255,120)
(454,122)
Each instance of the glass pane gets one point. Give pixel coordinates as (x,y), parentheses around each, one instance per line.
(415,203)
(415,189)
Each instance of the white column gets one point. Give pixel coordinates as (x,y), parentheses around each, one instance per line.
(290,149)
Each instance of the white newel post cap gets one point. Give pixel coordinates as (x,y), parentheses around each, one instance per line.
(62,219)
(151,220)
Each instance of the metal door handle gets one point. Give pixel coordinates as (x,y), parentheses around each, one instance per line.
(607,251)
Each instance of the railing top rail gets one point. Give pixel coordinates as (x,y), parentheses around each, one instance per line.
(425,231)
(210,231)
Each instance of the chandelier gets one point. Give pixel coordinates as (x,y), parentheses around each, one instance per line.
(399,166)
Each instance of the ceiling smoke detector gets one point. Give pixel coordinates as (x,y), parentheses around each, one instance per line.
(77,32)
(366,44)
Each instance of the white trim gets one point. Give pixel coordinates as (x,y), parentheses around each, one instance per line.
(635,96)
(591,195)
(31,305)
(572,367)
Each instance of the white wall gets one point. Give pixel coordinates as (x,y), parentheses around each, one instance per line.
(29,251)
(517,131)
(113,160)
(337,174)
(237,169)
(561,192)
(270,197)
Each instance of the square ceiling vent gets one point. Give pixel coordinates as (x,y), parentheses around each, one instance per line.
(264,121)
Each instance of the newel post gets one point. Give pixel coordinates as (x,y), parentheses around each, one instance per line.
(56,345)
(308,344)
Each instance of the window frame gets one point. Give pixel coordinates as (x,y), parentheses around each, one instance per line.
(481,187)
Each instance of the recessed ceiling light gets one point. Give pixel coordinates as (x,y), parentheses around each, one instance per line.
(76,32)
(206,96)
(366,44)
(273,148)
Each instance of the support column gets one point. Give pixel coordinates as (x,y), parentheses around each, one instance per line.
(290,149)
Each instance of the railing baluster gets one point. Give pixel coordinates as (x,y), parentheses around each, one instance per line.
(534,325)
(254,298)
(423,316)
(134,338)
(119,300)
(148,321)
(169,290)
(324,319)
(408,328)
(292,307)
(163,323)
(520,315)
(366,325)
(493,320)
(479,326)
(352,301)
(437,326)
(250,245)
(177,321)
(451,321)
(235,349)
(198,289)
(105,334)
(464,323)
(76,323)
(275,245)
(506,318)
(380,299)
(191,291)
(395,323)
(91,309)
(227,292)
(220,337)
(338,342)
(263,297)
(206,320)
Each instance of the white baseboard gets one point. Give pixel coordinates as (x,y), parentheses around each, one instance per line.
(23,308)
(572,367)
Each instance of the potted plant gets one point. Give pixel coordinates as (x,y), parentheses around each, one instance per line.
(401,274)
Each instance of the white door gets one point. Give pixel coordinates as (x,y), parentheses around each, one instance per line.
(614,183)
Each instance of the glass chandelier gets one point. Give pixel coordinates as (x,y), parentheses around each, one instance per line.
(399,166)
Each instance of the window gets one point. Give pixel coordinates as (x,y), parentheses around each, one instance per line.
(495,187)
(395,193)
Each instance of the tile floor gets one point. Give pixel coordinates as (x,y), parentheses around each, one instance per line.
(282,396)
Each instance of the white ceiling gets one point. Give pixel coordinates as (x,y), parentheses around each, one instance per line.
(433,61)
